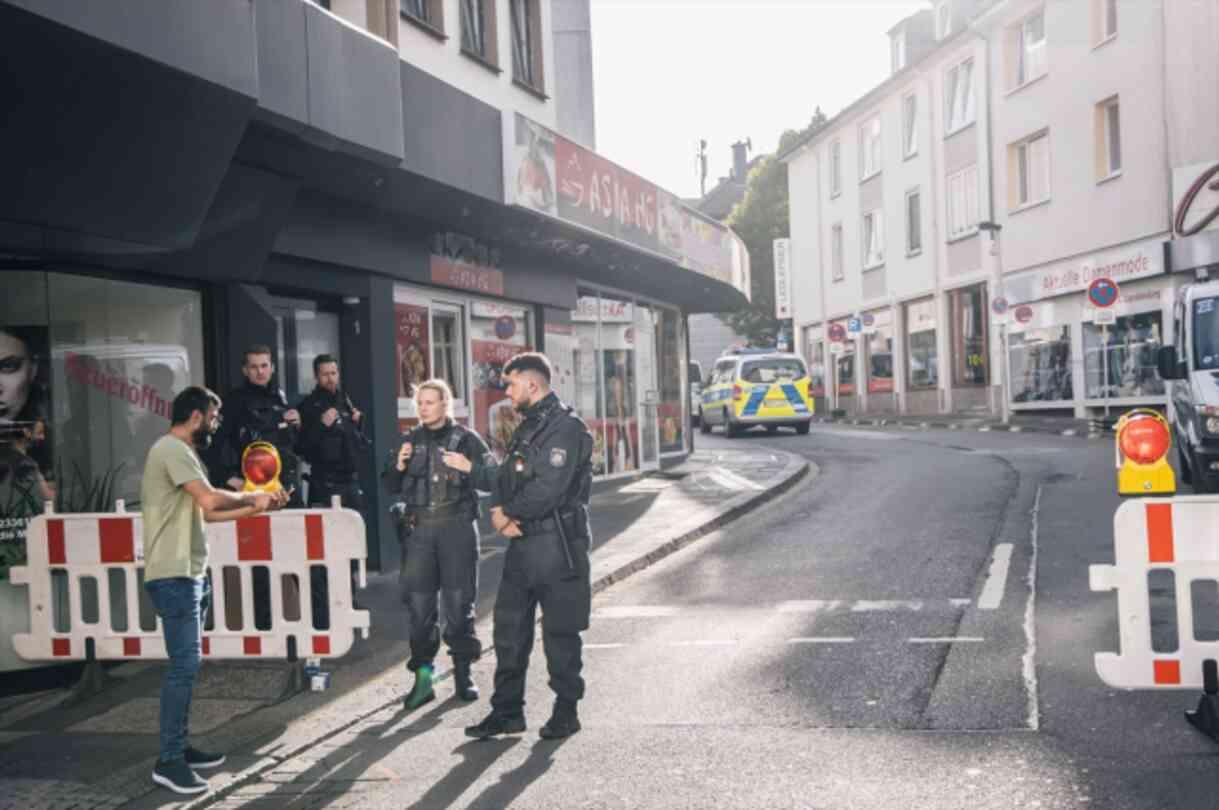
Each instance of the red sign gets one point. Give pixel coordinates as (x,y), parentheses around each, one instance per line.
(1203,181)
(837,332)
(1024,314)
(604,197)
(467,276)
(1102,293)
(880,385)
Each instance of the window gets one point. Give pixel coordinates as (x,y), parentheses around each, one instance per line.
(869,148)
(814,350)
(1205,331)
(1031,169)
(836,271)
(1109,139)
(478,31)
(1132,343)
(943,19)
(835,168)
(526,42)
(845,366)
(962,203)
(771,371)
(499,332)
(897,49)
(914,223)
(968,307)
(428,12)
(448,344)
(1040,362)
(873,242)
(959,97)
(909,132)
(1031,49)
(879,346)
(922,370)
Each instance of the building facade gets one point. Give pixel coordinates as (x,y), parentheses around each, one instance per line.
(946,227)
(388,181)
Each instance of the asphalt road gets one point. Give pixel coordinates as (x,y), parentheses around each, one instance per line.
(875,638)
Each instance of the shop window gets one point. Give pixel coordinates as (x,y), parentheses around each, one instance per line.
(618,353)
(1131,343)
(672,414)
(880,361)
(499,332)
(586,360)
(814,350)
(448,355)
(88,372)
(969,335)
(1040,362)
(845,364)
(922,369)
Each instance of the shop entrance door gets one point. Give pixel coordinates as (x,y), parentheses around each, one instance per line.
(304,329)
(648,388)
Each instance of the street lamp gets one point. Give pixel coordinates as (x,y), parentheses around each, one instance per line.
(993,229)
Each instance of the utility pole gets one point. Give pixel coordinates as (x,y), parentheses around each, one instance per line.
(702,167)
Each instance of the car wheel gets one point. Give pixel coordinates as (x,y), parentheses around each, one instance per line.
(1203,484)
(772,429)
(731,429)
(704,426)
(802,428)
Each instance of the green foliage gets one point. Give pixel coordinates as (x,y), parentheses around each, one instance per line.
(759,218)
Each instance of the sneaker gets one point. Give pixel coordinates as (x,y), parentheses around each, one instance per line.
(497,724)
(178,777)
(202,759)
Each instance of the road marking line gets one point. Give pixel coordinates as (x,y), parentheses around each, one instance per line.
(708,642)
(996,579)
(730,480)
(821,640)
(1029,665)
(959,602)
(947,640)
(865,606)
(807,605)
(635,611)
(603,646)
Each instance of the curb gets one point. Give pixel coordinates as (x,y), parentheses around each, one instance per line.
(1096,429)
(797,469)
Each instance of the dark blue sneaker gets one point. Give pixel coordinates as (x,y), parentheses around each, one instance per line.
(178,777)
(202,759)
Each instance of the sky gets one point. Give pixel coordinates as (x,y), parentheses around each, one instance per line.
(669,72)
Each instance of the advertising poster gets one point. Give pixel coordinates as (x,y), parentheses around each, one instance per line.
(413,347)
(25,465)
(494,417)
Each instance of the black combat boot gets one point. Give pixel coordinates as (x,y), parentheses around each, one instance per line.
(463,683)
(497,724)
(563,722)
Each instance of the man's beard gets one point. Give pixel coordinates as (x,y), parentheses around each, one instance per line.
(202,437)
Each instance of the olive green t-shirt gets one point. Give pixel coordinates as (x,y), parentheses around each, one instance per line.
(174,542)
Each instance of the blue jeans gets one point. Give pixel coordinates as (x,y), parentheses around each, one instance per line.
(181,602)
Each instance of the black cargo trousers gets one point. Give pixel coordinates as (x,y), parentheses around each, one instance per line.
(536,572)
(441,556)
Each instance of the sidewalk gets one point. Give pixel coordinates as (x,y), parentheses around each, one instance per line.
(1021,422)
(100,753)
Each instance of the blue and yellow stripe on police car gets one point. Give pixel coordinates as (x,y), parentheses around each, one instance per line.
(757,395)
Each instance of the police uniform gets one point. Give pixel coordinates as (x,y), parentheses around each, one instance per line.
(255,413)
(543,484)
(439,533)
(333,452)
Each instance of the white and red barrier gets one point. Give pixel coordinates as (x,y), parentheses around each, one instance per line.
(1180,535)
(64,550)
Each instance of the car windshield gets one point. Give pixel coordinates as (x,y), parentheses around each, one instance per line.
(772,370)
(1206,333)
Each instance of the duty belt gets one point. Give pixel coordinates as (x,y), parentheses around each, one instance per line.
(545,525)
(430,514)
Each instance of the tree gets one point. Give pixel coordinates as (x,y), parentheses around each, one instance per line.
(759,218)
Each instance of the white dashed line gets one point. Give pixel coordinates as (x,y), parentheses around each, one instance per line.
(822,640)
(1029,664)
(707,642)
(996,580)
(603,646)
(636,611)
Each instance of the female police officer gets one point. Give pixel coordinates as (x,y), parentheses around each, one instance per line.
(440,541)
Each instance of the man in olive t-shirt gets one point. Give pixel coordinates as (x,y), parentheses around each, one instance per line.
(176,498)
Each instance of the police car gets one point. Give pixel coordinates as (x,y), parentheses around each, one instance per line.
(757,387)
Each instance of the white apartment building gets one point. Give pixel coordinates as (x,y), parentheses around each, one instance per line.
(1080,127)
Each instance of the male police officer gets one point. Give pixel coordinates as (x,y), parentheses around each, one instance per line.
(439,532)
(332,441)
(542,490)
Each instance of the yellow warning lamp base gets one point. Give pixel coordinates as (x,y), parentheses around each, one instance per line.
(1135,478)
(259,449)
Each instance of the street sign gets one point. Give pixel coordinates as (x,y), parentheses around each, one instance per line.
(999,305)
(1023,314)
(783,278)
(837,333)
(1103,316)
(836,348)
(1102,293)
(854,326)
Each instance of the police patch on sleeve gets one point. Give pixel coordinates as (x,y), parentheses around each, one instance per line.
(558,457)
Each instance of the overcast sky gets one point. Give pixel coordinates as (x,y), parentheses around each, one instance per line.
(668,72)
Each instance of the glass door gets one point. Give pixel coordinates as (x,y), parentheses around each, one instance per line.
(303,331)
(648,388)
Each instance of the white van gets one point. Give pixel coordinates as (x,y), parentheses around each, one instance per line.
(1190,368)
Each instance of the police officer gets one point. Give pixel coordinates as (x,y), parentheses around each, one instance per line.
(332,441)
(541,492)
(258,411)
(439,533)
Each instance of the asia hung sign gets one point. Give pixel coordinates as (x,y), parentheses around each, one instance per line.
(545,172)
(783,278)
